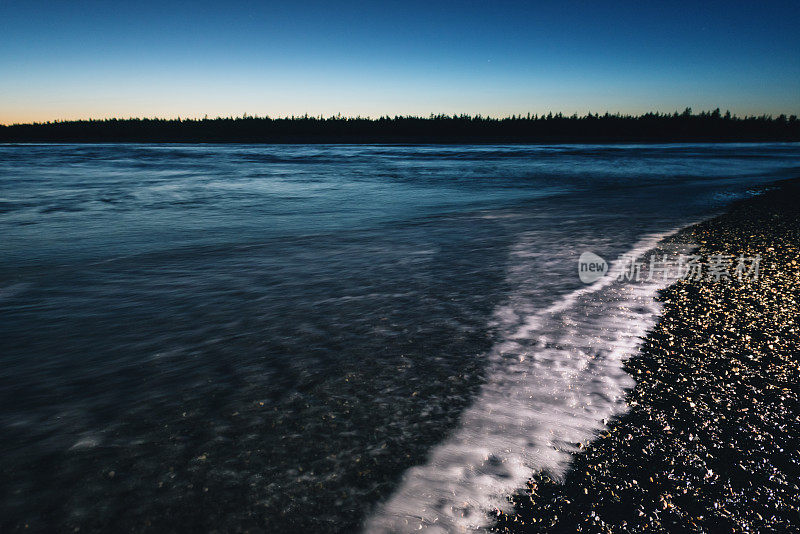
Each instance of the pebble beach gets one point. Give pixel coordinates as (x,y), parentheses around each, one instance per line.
(709,443)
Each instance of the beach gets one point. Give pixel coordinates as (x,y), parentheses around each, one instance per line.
(710,441)
(327,338)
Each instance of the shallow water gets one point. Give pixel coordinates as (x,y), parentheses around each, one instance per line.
(284,337)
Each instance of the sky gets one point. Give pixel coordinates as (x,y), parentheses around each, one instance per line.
(95,59)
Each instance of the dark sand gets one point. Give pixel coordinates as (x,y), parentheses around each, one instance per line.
(710,443)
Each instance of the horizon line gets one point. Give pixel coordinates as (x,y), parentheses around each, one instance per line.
(527,116)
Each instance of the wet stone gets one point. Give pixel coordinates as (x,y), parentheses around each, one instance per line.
(710,441)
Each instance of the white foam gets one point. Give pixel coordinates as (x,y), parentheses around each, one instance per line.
(552,382)
(88,440)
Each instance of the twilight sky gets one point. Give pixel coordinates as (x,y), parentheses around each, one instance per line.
(81,59)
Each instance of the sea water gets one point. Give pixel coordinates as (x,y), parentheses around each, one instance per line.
(327,338)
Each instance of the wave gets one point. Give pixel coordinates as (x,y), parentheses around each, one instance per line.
(554,379)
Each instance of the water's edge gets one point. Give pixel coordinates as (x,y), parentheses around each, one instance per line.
(554,380)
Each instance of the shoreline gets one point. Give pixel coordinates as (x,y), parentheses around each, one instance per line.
(652,127)
(509,426)
(709,440)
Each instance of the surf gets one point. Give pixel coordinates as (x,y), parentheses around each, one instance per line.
(554,378)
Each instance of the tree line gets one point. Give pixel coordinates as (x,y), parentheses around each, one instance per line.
(592,127)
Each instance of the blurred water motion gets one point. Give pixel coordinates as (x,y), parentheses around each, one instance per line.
(252,337)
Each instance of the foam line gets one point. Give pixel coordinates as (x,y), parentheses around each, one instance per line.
(554,379)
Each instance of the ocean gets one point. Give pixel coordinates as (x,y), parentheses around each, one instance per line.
(326,338)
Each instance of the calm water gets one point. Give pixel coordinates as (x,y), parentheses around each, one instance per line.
(280,338)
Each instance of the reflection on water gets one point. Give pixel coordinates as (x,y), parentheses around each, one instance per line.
(267,338)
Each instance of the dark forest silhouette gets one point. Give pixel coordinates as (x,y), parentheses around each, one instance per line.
(686,126)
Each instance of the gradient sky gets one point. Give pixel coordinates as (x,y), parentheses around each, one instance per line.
(77,59)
